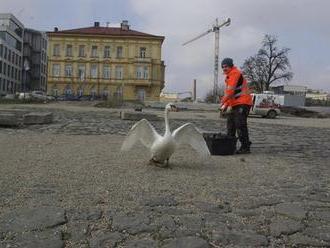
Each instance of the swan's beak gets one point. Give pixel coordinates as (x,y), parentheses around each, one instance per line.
(174,108)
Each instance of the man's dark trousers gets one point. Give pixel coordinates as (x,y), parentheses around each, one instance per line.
(237,121)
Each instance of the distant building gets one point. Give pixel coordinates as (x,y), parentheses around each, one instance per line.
(11,54)
(296,90)
(35,60)
(105,61)
(176,96)
(166,97)
(294,95)
(317,95)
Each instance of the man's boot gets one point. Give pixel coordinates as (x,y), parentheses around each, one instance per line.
(244,149)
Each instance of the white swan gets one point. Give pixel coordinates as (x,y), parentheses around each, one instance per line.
(162,147)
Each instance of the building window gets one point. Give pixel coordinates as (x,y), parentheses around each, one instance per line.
(94,71)
(5,53)
(141,94)
(94,51)
(143,51)
(106,71)
(81,51)
(145,72)
(0,67)
(68,70)
(119,72)
(142,72)
(69,50)
(119,52)
(1,49)
(139,72)
(56,70)
(56,50)
(81,72)
(107,52)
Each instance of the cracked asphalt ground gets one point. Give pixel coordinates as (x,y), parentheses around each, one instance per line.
(68,185)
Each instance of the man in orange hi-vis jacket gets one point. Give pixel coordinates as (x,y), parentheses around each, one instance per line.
(237,102)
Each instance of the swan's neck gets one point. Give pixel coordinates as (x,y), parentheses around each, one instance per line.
(167,125)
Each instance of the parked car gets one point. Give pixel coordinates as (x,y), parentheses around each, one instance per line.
(10,96)
(23,95)
(41,95)
(266,105)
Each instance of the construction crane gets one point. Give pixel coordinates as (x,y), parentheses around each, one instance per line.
(216,29)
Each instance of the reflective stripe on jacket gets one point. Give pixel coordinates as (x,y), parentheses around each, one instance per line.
(237,91)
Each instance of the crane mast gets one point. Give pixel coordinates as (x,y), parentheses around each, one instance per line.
(216,29)
(216,60)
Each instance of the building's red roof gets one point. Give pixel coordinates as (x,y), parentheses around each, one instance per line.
(111,31)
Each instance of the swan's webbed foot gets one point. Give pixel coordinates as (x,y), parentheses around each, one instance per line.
(152,161)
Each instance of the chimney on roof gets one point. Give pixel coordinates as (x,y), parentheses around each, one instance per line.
(96,24)
(56,29)
(124,25)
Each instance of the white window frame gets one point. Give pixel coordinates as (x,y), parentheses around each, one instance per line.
(56,50)
(94,52)
(145,72)
(81,72)
(139,72)
(94,71)
(56,70)
(107,52)
(120,51)
(81,51)
(106,71)
(68,70)
(143,52)
(69,50)
(119,72)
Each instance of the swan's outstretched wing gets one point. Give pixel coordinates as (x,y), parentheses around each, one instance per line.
(189,134)
(141,131)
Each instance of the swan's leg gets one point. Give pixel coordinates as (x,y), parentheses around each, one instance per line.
(154,162)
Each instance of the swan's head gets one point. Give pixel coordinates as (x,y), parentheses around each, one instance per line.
(170,107)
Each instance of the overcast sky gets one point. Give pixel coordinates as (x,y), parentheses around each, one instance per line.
(301,25)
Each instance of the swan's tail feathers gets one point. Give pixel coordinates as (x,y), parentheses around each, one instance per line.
(141,131)
(189,134)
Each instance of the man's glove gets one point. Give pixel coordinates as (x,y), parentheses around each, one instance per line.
(225,108)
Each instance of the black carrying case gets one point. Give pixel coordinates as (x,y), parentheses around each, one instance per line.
(220,144)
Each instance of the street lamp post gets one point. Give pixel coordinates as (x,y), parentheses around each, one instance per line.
(26,66)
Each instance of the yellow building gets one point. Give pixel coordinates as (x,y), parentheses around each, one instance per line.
(105,62)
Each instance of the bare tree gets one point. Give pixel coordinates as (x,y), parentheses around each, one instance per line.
(269,65)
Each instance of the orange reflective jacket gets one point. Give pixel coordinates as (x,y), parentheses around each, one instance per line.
(237,91)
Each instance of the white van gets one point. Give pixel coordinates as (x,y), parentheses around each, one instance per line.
(266,104)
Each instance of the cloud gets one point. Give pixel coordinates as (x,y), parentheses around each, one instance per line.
(251,20)
(299,24)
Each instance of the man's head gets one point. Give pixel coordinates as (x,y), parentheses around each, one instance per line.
(227,64)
